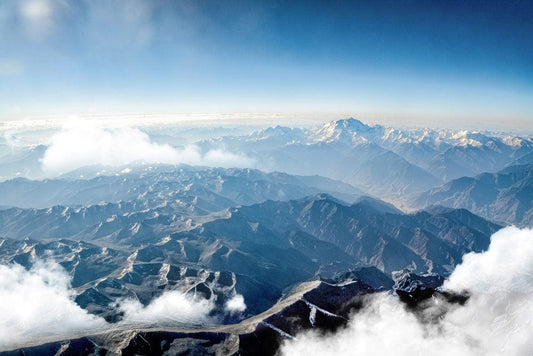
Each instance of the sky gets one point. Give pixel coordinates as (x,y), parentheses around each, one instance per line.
(463,61)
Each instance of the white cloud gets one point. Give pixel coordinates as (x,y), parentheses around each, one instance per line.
(496,320)
(383,327)
(507,266)
(171,308)
(80,144)
(236,304)
(38,306)
(38,303)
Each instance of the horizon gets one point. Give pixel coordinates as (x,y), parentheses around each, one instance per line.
(256,119)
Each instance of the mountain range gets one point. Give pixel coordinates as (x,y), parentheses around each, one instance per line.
(329,215)
(505,196)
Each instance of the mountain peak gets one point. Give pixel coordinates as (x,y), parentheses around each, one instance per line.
(345,130)
(352,124)
(326,198)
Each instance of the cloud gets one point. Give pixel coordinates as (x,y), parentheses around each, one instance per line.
(496,320)
(38,303)
(171,308)
(236,304)
(80,144)
(507,266)
(383,327)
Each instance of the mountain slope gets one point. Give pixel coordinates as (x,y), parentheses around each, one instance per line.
(506,196)
(155,185)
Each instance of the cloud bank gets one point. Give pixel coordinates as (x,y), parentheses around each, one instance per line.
(496,320)
(79,145)
(37,306)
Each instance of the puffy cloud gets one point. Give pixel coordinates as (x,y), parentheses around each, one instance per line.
(500,311)
(496,320)
(507,266)
(236,304)
(38,303)
(37,306)
(171,308)
(383,327)
(80,144)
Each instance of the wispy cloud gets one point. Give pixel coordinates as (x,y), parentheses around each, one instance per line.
(496,320)
(79,145)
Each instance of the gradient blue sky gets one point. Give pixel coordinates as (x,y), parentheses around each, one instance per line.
(437,60)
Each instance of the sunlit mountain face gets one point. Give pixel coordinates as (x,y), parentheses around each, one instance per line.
(266,178)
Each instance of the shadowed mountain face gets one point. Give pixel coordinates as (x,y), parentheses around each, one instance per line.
(367,232)
(506,196)
(324,307)
(162,184)
(256,251)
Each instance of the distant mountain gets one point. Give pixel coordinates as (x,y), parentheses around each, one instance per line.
(156,185)
(21,162)
(390,163)
(506,196)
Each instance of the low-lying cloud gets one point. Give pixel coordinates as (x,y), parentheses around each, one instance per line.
(37,306)
(496,320)
(79,145)
(38,303)
(236,304)
(170,308)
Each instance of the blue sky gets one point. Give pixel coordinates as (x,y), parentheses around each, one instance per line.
(437,60)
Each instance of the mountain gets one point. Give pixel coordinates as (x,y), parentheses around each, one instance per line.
(298,245)
(317,306)
(21,162)
(505,196)
(393,164)
(156,185)
(257,251)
